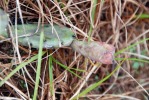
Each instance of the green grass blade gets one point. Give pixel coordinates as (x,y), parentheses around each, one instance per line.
(79,70)
(134,59)
(66,67)
(120,51)
(93,86)
(51,74)
(92,17)
(142,16)
(23,64)
(39,65)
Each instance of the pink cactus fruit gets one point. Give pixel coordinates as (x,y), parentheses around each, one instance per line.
(97,51)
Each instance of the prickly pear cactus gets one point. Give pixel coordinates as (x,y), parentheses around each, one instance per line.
(3,21)
(54,37)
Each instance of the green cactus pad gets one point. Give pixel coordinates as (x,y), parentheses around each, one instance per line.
(29,34)
(55,36)
(3,21)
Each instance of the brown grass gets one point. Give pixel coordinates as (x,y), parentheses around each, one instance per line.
(114,23)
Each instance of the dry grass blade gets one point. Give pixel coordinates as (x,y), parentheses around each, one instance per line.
(64,73)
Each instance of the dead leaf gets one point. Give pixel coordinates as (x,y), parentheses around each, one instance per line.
(97,51)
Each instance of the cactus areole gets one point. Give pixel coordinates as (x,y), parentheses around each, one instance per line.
(56,36)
